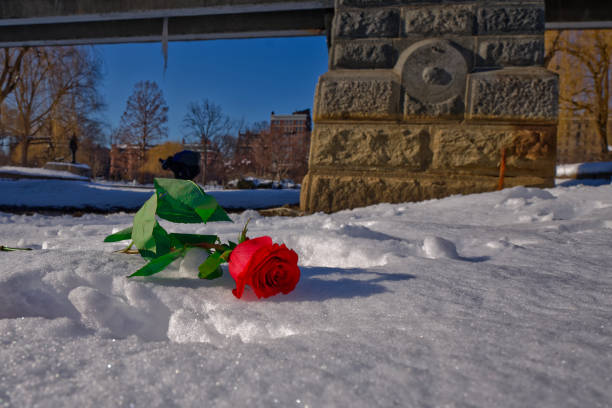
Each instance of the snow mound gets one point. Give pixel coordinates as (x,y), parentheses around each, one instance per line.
(215,326)
(112,316)
(436,248)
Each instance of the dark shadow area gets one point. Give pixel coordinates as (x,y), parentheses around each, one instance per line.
(320,284)
(193,283)
(316,284)
(474,259)
(594,182)
(359,231)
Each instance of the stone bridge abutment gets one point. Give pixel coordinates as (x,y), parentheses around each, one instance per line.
(422,97)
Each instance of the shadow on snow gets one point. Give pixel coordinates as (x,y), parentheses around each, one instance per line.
(316,284)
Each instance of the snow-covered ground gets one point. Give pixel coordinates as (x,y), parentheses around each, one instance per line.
(583,170)
(501,299)
(38,172)
(58,194)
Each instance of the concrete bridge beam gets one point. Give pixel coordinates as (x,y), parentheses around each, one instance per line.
(50,22)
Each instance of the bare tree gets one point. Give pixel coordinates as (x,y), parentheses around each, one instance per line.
(51,83)
(227,146)
(584,61)
(552,45)
(10,60)
(143,121)
(271,151)
(206,122)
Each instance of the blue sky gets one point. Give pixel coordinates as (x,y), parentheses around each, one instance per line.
(248,78)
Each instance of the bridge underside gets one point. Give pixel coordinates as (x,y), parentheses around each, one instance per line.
(52,22)
(40,22)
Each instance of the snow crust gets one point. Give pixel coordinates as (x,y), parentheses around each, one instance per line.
(583,169)
(501,299)
(79,165)
(33,172)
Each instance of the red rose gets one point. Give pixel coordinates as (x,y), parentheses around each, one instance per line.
(266,267)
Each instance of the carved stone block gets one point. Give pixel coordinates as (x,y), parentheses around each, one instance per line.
(350,146)
(369,23)
(510,19)
(331,192)
(382,3)
(349,94)
(514,94)
(367,3)
(511,51)
(528,150)
(434,21)
(364,54)
(335,192)
(452,107)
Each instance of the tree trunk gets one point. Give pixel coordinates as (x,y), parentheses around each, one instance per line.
(24,152)
(203,162)
(601,128)
(603,134)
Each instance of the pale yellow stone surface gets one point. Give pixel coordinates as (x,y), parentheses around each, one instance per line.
(337,191)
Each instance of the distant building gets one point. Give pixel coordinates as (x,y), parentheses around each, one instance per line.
(577,140)
(124,162)
(298,124)
(293,133)
(279,150)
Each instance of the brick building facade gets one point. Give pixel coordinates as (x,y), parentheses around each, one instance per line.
(124,162)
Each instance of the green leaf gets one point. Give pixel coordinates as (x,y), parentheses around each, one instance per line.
(158,264)
(149,237)
(186,239)
(173,198)
(219,214)
(172,210)
(185,202)
(119,236)
(210,269)
(159,244)
(163,244)
(144,222)
(216,274)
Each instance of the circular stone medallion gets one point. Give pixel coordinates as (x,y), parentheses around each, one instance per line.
(432,71)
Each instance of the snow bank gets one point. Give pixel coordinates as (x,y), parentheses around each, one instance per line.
(584,170)
(53,194)
(496,299)
(38,172)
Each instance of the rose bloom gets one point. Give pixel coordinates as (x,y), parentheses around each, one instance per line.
(266,267)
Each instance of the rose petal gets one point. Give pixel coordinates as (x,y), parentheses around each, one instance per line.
(243,253)
(267,267)
(240,258)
